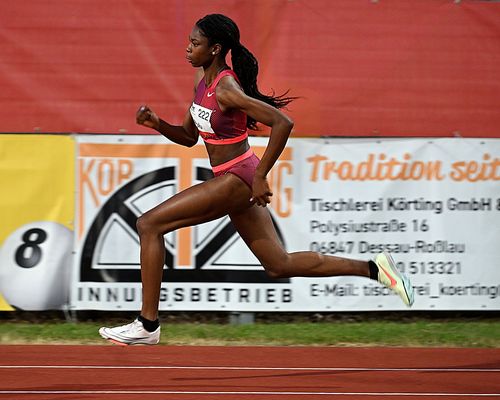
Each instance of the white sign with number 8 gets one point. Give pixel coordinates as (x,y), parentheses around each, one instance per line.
(35,266)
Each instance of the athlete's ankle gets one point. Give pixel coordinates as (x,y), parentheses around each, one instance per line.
(148,324)
(372,267)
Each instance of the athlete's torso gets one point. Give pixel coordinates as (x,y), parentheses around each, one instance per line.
(217,127)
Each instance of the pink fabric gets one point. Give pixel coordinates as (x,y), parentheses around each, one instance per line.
(242,167)
(237,139)
(230,163)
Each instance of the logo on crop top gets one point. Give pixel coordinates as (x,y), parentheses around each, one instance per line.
(210,94)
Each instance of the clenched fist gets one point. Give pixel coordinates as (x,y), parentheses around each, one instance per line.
(147,117)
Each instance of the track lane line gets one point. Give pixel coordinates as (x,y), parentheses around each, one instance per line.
(257,393)
(242,368)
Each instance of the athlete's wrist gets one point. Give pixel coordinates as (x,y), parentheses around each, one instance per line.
(161,126)
(260,174)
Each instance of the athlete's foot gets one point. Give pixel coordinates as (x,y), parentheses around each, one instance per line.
(390,276)
(133,333)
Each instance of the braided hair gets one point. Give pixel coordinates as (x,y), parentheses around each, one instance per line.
(218,28)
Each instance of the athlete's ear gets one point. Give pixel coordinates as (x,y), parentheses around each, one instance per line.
(216,49)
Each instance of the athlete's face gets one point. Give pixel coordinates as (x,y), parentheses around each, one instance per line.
(198,52)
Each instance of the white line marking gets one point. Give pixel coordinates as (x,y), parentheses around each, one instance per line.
(239,368)
(422,394)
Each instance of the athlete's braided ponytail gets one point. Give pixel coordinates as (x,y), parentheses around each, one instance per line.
(222,30)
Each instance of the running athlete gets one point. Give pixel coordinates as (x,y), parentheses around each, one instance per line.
(226,103)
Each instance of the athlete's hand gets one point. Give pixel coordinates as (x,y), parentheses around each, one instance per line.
(145,116)
(261,192)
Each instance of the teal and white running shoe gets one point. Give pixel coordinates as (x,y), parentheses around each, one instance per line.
(390,276)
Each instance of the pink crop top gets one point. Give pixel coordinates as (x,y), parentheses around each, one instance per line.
(216,127)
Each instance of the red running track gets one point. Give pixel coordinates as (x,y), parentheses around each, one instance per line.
(244,373)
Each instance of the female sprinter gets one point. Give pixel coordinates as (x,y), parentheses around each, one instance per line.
(226,103)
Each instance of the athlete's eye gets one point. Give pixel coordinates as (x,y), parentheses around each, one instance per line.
(193,42)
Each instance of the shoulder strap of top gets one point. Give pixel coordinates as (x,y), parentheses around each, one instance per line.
(224,73)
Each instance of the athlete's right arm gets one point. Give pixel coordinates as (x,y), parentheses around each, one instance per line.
(185,135)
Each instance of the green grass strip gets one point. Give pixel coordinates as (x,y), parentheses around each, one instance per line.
(371,333)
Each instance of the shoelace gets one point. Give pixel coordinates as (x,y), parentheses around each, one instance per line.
(133,326)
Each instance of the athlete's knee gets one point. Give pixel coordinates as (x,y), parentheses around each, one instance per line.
(145,224)
(276,273)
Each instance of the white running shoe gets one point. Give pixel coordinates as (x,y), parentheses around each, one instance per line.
(390,276)
(133,333)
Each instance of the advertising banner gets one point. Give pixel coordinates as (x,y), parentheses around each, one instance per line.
(37,179)
(434,204)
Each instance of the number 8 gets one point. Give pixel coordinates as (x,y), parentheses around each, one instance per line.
(30,243)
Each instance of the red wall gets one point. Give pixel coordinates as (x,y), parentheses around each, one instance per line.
(362,67)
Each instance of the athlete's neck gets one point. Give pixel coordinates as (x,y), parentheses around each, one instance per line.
(212,72)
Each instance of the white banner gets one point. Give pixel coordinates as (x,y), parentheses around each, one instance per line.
(435,205)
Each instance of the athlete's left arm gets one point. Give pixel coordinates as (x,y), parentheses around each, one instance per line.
(230,95)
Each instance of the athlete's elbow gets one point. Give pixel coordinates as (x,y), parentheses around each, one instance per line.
(190,143)
(287,123)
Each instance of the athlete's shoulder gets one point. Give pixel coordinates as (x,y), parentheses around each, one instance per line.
(229,92)
(228,82)
(226,77)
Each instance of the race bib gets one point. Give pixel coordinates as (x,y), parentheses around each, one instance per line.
(201,117)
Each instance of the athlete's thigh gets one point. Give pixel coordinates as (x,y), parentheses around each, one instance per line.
(256,228)
(201,203)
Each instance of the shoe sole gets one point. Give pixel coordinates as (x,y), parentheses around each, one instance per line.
(117,342)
